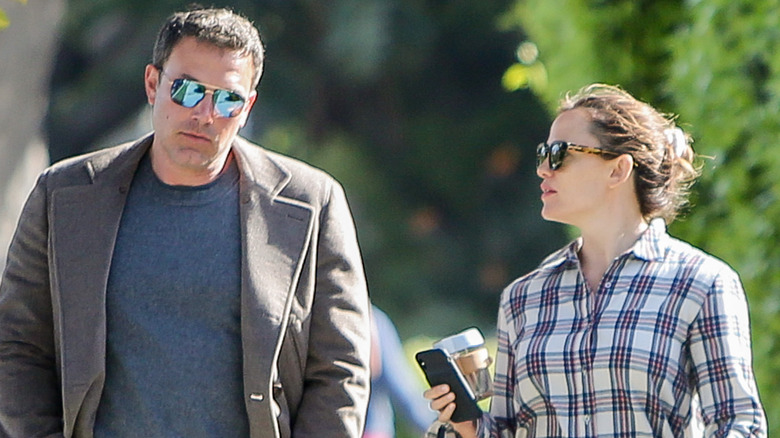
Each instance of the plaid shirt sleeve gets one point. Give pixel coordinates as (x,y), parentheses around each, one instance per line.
(501,421)
(720,349)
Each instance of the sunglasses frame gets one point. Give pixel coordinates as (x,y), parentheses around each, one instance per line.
(216,93)
(545,150)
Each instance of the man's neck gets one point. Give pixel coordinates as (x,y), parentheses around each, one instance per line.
(178,176)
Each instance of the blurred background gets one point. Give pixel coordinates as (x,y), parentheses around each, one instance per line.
(428,112)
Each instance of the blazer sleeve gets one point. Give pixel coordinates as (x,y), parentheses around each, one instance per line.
(336,376)
(30,400)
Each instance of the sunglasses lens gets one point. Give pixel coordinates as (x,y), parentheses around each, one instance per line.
(541,153)
(187,93)
(557,153)
(228,103)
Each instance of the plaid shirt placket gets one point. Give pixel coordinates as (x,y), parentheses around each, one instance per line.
(620,361)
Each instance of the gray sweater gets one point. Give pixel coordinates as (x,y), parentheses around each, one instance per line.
(173,354)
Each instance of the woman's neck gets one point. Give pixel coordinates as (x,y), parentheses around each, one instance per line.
(604,242)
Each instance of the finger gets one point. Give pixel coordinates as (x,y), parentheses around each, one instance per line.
(436,392)
(442,402)
(446,413)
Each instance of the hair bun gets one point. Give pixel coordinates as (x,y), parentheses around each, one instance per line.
(676,138)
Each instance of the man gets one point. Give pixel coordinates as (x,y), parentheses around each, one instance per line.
(190,283)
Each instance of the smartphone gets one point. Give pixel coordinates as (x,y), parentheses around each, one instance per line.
(440,368)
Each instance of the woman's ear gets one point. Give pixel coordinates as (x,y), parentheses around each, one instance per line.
(622,169)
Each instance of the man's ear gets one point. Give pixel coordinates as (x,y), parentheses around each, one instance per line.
(622,169)
(151,82)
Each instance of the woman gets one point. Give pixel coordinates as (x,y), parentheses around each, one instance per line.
(625,332)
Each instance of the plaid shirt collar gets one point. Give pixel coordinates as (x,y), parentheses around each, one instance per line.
(652,245)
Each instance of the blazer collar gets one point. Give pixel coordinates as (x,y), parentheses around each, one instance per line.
(259,169)
(118,165)
(256,167)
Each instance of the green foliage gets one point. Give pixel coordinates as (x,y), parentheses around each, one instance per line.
(4,21)
(403,102)
(725,69)
(714,63)
(598,41)
(400,100)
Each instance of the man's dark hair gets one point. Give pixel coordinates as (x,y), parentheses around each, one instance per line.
(221,27)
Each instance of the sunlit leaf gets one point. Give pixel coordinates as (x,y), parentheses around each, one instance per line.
(515,77)
(3,20)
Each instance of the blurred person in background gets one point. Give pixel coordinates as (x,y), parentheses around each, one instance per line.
(189,283)
(627,331)
(395,389)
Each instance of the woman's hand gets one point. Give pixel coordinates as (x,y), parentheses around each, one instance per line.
(443,400)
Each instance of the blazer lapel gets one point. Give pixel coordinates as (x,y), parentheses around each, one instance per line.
(277,232)
(84,220)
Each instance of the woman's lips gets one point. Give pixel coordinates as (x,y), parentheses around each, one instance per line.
(547,191)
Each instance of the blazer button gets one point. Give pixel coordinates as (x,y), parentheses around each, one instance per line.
(256,397)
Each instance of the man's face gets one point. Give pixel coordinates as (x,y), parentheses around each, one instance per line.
(191,145)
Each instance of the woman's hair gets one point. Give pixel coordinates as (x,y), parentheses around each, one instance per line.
(662,152)
(221,27)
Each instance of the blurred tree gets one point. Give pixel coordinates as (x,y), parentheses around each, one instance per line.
(444,187)
(400,99)
(713,62)
(26,50)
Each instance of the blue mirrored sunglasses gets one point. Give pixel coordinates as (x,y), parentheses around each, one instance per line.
(188,93)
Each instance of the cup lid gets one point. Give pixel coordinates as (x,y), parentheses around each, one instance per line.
(464,340)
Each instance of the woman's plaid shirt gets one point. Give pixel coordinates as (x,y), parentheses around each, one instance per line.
(661,349)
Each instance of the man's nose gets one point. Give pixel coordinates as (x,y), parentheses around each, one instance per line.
(205,108)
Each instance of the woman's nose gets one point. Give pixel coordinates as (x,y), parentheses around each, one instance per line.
(543,169)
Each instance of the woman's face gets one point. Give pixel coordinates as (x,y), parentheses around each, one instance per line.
(574,193)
